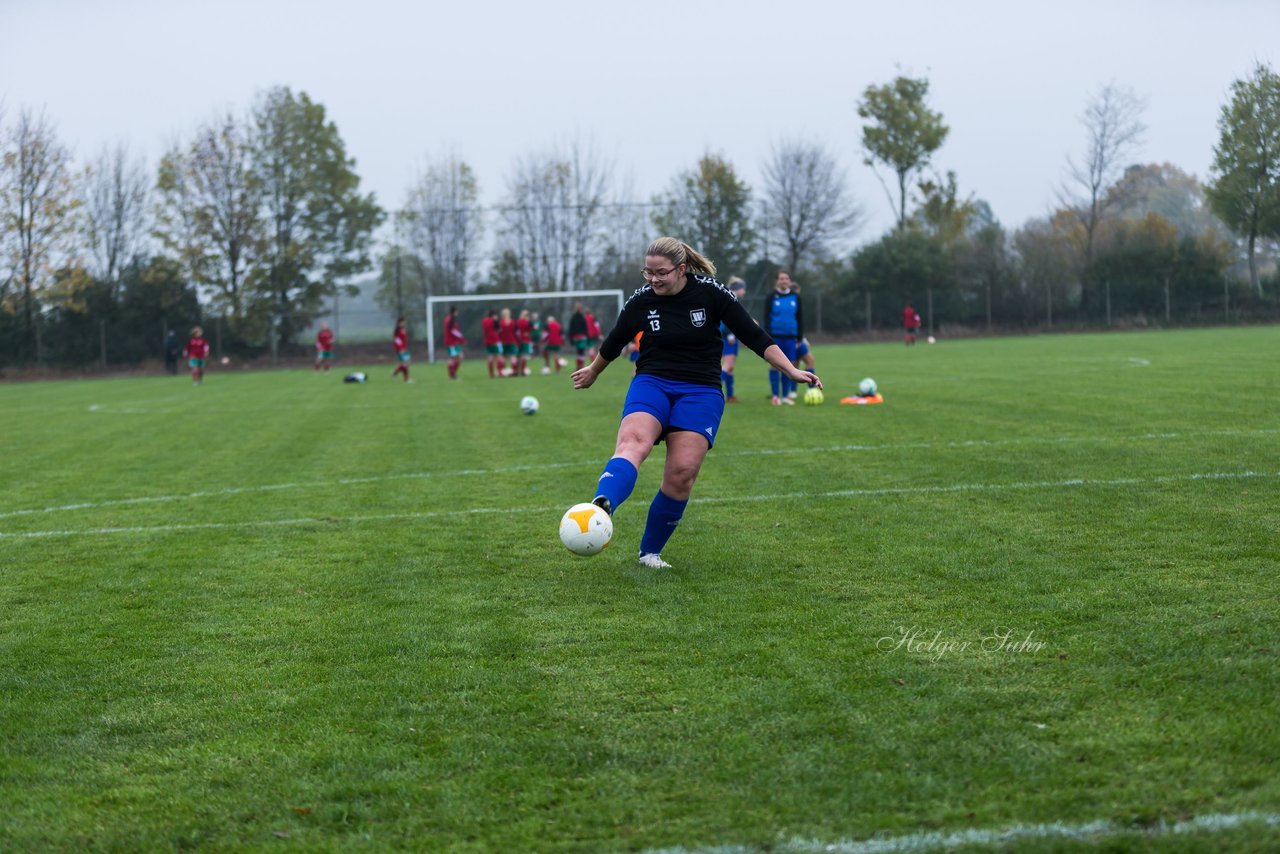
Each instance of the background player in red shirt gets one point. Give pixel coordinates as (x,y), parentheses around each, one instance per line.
(553,340)
(910,323)
(507,335)
(196,351)
(324,347)
(453,340)
(400,341)
(524,342)
(593,335)
(492,345)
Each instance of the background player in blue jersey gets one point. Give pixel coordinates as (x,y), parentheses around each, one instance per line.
(675,394)
(804,353)
(784,321)
(729,355)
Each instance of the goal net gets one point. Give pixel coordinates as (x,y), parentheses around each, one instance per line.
(472,308)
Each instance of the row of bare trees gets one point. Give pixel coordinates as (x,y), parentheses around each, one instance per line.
(263,217)
(565,222)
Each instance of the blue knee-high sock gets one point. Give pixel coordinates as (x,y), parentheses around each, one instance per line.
(617,481)
(664,515)
(727,379)
(788,347)
(775,380)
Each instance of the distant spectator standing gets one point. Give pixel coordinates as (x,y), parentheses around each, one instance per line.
(172,350)
(454,341)
(324,347)
(910,324)
(400,343)
(196,351)
(784,321)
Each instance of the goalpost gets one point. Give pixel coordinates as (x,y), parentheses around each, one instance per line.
(515,299)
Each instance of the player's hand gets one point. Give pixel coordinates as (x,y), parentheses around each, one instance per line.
(584,377)
(808,377)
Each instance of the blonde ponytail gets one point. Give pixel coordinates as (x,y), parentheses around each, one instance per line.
(679,253)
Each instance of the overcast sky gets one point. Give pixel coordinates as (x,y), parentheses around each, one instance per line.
(652,86)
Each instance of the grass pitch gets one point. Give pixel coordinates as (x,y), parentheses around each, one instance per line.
(1036,589)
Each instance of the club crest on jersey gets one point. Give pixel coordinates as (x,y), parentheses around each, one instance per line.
(698,316)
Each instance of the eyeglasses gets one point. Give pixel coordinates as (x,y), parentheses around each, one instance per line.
(657,274)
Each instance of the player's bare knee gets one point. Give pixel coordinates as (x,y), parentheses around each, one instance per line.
(678,487)
(680,479)
(633,446)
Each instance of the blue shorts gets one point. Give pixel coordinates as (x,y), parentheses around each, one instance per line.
(803,349)
(677,405)
(725,335)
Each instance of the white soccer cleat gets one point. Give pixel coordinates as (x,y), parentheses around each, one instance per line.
(654,561)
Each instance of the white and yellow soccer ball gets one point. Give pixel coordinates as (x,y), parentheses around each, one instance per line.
(529,405)
(814,396)
(867,387)
(585,529)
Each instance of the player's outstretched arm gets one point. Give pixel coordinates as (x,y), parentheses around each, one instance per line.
(585,376)
(774,356)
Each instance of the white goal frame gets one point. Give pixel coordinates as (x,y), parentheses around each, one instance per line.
(512,297)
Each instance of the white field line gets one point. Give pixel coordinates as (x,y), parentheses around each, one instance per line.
(272,487)
(1092,831)
(834,449)
(842,493)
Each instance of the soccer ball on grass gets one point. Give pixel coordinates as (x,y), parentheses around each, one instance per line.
(529,404)
(585,529)
(813,396)
(867,387)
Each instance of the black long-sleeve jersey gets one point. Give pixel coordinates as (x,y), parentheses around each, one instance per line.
(577,326)
(682,332)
